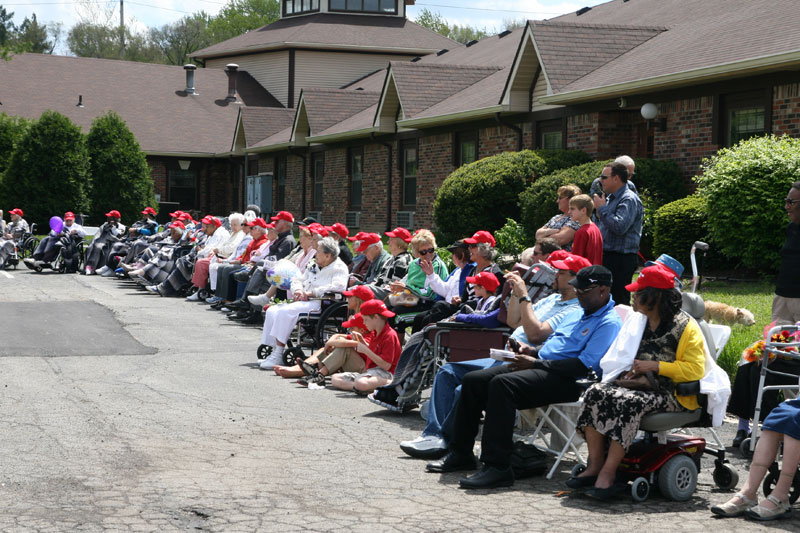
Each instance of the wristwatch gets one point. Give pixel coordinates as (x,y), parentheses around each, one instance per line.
(525,298)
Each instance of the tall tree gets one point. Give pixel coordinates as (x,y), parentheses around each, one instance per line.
(240,16)
(33,37)
(177,41)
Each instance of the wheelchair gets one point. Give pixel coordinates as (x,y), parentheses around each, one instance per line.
(24,246)
(313,329)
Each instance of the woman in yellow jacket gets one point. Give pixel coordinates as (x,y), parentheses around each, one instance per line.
(670,351)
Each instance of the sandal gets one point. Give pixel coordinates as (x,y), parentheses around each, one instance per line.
(731,510)
(307,368)
(762,514)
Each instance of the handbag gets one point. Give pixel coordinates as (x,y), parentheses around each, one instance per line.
(645,382)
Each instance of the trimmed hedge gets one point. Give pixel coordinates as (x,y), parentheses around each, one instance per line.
(677,225)
(483,194)
(12,130)
(558,159)
(744,187)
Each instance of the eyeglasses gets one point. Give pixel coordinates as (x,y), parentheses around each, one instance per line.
(426,252)
(604,177)
(789,201)
(581,292)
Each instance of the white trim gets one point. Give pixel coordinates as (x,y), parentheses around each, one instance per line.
(341,136)
(389,80)
(541,65)
(451,117)
(319,46)
(269,148)
(679,78)
(180,154)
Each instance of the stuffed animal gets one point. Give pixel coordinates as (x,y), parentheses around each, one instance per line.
(720,312)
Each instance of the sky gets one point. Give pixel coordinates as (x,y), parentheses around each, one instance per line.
(140,14)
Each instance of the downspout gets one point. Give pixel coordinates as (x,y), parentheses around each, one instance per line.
(513,127)
(388,180)
(303,182)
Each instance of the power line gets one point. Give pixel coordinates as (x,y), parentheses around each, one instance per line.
(490,9)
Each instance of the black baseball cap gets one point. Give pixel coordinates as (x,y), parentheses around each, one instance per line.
(307,221)
(591,275)
(458,244)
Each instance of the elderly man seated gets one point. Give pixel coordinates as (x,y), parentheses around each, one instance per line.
(385,268)
(160,265)
(547,375)
(48,247)
(327,274)
(109,233)
(145,227)
(13,231)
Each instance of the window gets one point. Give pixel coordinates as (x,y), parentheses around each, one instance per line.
(744,115)
(409,154)
(318,170)
(365,6)
(298,7)
(356,175)
(466,148)
(550,135)
(280,183)
(183,188)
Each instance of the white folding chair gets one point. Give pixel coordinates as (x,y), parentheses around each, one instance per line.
(563,438)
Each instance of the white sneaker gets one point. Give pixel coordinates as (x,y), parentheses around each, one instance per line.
(275,359)
(424,447)
(108,273)
(195,297)
(260,300)
(89,271)
(102,270)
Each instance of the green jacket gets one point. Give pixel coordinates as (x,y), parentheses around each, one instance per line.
(415,279)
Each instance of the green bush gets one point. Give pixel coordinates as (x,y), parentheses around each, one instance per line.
(677,225)
(121,177)
(511,238)
(49,171)
(558,159)
(744,187)
(538,202)
(483,194)
(12,129)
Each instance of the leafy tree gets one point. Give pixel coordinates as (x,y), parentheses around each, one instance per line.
(7,27)
(12,129)
(240,16)
(462,34)
(33,37)
(177,41)
(119,170)
(49,170)
(86,39)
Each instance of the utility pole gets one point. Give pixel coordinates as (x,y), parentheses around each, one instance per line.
(121,27)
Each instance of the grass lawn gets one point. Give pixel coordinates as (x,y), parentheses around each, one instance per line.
(756,297)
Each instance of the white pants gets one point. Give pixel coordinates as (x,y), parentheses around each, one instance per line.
(281,319)
(212,273)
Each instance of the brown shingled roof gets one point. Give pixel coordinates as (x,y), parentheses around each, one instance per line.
(332,30)
(150,98)
(326,107)
(262,122)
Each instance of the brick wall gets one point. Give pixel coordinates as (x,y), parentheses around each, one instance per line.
(294,184)
(158,171)
(374,191)
(335,188)
(435,164)
(688,137)
(616,133)
(786,110)
(582,133)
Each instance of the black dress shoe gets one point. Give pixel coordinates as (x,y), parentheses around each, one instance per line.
(581,482)
(740,436)
(608,493)
(489,477)
(453,462)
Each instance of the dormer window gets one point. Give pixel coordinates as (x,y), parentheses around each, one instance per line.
(298,7)
(383,7)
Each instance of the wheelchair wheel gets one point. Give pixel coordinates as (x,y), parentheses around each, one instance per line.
(677,479)
(292,353)
(203,294)
(744,448)
(263,351)
(577,470)
(28,247)
(330,323)
(771,479)
(640,489)
(725,476)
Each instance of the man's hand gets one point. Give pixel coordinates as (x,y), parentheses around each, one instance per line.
(598,200)
(517,285)
(523,362)
(427,266)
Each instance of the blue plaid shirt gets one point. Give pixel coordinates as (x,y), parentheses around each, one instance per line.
(620,222)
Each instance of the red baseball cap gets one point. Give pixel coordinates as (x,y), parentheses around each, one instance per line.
(260,222)
(149,211)
(284,215)
(69,215)
(360,291)
(557,255)
(400,233)
(208,219)
(185,216)
(356,321)
(177,224)
(653,276)
(339,229)
(176,214)
(487,280)
(317,228)
(375,307)
(481,236)
(367,240)
(357,237)
(16,211)
(114,213)
(271,225)
(572,262)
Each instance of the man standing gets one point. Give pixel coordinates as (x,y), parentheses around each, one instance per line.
(786,303)
(619,217)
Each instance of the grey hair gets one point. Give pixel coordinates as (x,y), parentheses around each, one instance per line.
(526,258)
(378,244)
(328,246)
(487,251)
(250,215)
(236,217)
(796,185)
(625,160)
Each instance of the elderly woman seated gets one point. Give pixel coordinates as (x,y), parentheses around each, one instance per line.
(160,265)
(670,351)
(414,292)
(385,268)
(12,232)
(328,274)
(561,227)
(108,234)
(216,252)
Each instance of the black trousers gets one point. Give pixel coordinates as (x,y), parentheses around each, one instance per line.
(500,392)
(622,267)
(744,391)
(439,311)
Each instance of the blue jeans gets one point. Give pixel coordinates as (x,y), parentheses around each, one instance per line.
(445,393)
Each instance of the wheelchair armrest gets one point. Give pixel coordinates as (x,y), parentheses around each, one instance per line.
(687,388)
(472,327)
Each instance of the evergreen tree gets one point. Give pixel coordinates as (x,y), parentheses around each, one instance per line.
(49,170)
(120,175)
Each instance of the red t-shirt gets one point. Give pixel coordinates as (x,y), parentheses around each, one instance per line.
(254,245)
(387,346)
(588,243)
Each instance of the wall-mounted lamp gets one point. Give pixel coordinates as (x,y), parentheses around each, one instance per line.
(184,164)
(649,113)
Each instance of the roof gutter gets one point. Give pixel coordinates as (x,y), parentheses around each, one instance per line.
(452,117)
(363,132)
(316,46)
(679,78)
(180,154)
(269,148)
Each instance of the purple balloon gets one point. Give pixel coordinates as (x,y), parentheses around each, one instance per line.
(56,224)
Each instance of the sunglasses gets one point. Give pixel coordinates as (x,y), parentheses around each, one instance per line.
(789,201)
(581,292)
(603,177)
(426,252)
(473,245)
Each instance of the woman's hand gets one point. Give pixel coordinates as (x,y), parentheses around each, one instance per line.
(456,300)
(427,266)
(643,367)
(397,286)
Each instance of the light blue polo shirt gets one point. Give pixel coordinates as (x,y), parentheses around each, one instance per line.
(552,310)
